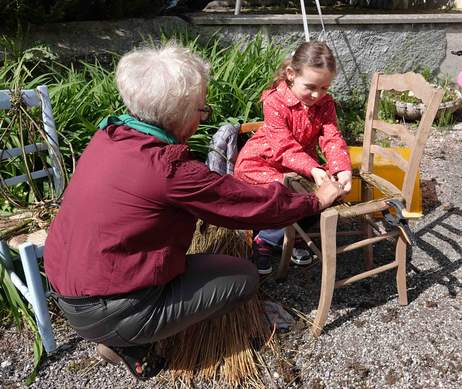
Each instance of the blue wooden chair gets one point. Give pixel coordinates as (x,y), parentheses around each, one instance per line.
(30,247)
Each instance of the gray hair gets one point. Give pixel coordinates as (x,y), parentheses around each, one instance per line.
(163,85)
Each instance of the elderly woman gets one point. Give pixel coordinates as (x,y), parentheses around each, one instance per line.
(116,252)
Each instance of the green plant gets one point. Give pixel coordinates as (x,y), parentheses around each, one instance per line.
(387,109)
(350,117)
(20,126)
(445,118)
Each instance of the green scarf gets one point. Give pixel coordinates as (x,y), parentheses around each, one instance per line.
(138,125)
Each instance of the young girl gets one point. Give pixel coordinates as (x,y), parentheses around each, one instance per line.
(299,115)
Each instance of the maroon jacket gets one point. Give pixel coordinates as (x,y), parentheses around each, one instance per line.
(130,210)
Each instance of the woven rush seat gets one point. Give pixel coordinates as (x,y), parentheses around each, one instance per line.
(349,209)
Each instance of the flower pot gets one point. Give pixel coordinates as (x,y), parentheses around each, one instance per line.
(413,111)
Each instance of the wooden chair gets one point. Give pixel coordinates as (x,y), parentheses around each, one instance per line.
(30,246)
(367,208)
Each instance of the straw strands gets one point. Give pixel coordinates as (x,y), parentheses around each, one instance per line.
(224,351)
(210,239)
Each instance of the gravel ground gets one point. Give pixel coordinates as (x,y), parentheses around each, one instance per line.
(369,340)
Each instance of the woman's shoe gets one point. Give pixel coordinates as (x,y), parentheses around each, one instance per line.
(302,256)
(138,359)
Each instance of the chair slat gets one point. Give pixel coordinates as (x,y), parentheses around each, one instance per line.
(396,130)
(23,178)
(29,96)
(29,149)
(395,157)
(366,242)
(362,208)
(5,100)
(366,274)
(19,284)
(407,81)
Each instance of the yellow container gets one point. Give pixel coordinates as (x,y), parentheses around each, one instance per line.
(384,168)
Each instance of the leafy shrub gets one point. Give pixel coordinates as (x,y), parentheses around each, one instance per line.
(350,117)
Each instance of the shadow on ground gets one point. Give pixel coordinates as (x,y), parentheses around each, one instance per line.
(428,264)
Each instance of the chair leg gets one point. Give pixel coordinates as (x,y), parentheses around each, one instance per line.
(401,247)
(37,295)
(368,250)
(328,226)
(287,247)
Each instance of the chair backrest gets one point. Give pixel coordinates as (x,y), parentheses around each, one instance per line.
(36,98)
(250,126)
(431,98)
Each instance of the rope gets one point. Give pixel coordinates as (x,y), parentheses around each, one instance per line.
(322,35)
(305,22)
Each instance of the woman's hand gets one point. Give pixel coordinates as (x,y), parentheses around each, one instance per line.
(319,175)
(345,178)
(328,192)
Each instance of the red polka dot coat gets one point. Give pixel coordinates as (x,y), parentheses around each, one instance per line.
(287,141)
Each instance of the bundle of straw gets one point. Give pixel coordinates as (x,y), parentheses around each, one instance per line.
(210,239)
(225,350)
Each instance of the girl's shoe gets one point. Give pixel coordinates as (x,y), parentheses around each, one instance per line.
(262,254)
(137,359)
(263,263)
(302,256)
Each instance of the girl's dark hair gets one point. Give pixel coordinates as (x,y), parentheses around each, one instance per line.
(314,54)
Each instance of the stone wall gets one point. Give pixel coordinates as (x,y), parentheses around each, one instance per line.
(363,44)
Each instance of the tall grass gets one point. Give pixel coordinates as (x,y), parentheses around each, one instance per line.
(84,93)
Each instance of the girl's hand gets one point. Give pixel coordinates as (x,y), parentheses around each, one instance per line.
(319,175)
(345,178)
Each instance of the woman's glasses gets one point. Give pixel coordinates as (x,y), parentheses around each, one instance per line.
(206,113)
